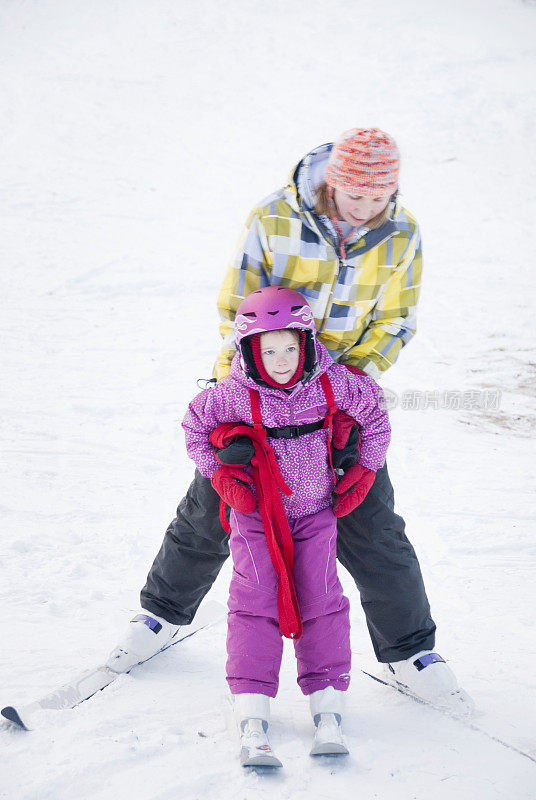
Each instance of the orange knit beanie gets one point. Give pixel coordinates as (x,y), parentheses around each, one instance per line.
(364,161)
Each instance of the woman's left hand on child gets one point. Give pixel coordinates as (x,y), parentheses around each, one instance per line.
(352,489)
(346,441)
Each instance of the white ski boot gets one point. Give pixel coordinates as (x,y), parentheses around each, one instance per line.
(426,676)
(326,708)
(145,636)
(252,714)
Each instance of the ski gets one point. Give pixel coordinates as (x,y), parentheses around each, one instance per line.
(261,756)
(94,680)
(328,749)
(464,720)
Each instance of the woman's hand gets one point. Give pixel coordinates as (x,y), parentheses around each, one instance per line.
(238,453)
(346,441)
(352,489)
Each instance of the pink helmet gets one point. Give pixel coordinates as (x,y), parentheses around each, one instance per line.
(274,308)
(271,309)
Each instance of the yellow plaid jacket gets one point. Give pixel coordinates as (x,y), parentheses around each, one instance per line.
(364,304)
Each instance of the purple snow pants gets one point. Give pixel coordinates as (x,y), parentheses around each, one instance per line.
(254,641)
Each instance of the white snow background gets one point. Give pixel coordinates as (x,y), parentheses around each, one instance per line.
(135,137)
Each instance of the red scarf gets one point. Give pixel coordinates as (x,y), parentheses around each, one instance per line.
(267,480)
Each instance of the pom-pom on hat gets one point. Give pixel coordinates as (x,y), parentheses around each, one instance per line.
(364,161)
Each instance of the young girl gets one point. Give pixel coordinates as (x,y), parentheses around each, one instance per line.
(284,381)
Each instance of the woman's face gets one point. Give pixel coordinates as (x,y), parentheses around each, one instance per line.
(357,210)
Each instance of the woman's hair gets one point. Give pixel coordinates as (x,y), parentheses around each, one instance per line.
(324,205)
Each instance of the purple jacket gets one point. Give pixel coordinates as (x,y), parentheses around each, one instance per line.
(304,460)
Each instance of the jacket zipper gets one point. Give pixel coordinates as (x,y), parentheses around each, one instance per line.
(340,263)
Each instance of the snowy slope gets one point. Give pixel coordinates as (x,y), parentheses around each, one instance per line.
(135,138)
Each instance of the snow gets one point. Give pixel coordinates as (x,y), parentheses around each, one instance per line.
(135,138)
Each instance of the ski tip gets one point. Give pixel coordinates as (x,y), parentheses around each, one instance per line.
(329,749)
(264,762)
(259,760)
(11,714)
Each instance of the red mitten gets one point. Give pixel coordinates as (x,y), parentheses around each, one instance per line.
(343,425)
(229,483)
(352,489)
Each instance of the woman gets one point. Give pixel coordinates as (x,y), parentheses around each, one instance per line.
(337,234)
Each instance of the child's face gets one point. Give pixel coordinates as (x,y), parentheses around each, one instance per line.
(280,353)
(358,210)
